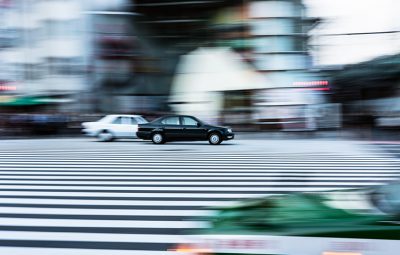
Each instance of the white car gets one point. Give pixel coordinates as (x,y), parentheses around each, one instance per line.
(114,126)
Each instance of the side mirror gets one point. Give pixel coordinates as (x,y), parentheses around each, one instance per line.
(198,124)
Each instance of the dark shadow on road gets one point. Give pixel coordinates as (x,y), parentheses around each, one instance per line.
(189,143)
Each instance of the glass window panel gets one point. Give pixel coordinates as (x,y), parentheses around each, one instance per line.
(189,121)
(134,121)
(117,121)
(171,121)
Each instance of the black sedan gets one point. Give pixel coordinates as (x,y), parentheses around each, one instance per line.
(182,128)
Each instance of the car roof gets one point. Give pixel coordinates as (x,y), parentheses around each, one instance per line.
(177,115)
(123,115)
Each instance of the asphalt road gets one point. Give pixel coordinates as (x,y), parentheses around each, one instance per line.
(79,196)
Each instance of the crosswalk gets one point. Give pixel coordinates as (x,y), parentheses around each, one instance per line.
(131,201)
(390,147)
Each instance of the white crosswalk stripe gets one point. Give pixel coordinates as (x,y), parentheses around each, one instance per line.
(130,201)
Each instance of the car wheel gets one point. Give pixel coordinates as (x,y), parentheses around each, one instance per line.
(105,136)
(215,139)
(158,138)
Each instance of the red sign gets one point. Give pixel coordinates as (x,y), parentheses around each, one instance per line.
(8,87)
(312,85)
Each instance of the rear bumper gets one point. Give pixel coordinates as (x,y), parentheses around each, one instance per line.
(89,132)
(143,135)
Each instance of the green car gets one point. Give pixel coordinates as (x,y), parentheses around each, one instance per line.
(353,222)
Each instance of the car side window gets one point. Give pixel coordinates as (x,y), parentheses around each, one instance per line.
(141,120)
(126,120)
(170,121)
(134,121)
(117,120)
(187,121)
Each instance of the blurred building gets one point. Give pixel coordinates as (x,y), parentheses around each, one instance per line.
(370,92)
(126,56)
(43,53)
(149,37)
(272,37)
(138,48)
(111,56)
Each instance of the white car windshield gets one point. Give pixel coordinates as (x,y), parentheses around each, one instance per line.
(107,118)
(110,118)
(141,120)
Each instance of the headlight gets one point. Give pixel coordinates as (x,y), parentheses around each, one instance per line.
(229,130)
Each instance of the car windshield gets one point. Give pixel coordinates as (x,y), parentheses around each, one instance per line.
(201,122)
(107,118)
(141,120)
(157,120)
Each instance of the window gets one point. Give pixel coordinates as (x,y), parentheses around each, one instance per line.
(61,28)
(134,121)
(274,44)
(171,121)
(272,9)
(126,120)
(65,66)
(117,121)
(189,121)
(141,120)
(272,27)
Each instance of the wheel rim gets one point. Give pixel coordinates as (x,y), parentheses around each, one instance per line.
(214,139)
(157,138)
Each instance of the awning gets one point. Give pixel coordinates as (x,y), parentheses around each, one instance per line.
(22,101)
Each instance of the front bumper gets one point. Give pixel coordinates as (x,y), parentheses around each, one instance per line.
(229,136)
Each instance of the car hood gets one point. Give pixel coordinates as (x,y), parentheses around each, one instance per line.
(216,127)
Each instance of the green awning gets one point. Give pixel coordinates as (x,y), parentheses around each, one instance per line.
(22,101)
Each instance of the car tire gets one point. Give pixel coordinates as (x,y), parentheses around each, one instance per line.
(158,138)
(105,136)
(214,139)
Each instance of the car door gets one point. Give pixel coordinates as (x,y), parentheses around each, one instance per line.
(127,129)
(133,127)
(173,129)
(121,127)
(193,129)
(115,126)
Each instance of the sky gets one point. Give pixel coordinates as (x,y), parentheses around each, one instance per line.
(354,16)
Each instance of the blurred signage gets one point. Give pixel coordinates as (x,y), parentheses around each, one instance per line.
(6,99)
(8,87)
(241,244)
(341,253)
(312,85)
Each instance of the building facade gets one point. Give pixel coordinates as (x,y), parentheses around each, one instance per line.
(46,53)
(272,37)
